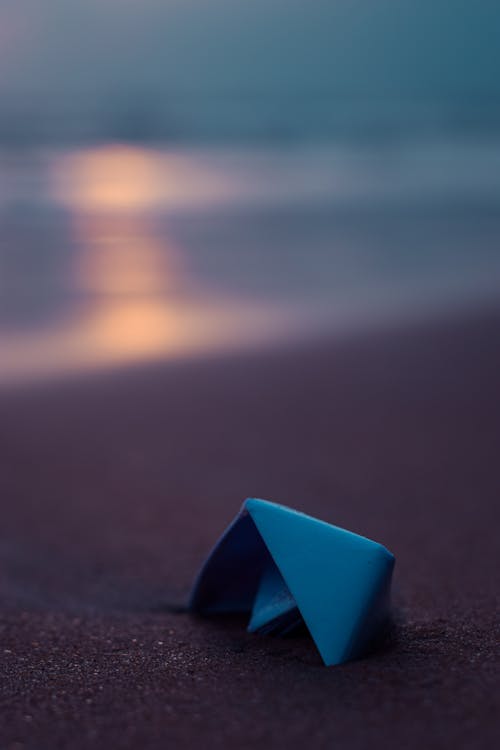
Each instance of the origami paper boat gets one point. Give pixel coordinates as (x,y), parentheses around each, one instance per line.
(288,569)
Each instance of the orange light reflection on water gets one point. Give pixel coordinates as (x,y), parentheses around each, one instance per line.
(112,178)
(122,255)
(139,302)
(125,179)
(132,279)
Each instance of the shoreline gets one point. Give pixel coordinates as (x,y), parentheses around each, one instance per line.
(310,339)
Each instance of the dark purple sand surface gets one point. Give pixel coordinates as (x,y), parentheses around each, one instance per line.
(114,488)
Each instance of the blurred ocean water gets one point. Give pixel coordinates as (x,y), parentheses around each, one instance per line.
(113,252)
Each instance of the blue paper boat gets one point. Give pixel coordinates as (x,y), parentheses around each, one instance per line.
(287,569)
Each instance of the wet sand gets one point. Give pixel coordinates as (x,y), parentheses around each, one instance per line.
(114,488)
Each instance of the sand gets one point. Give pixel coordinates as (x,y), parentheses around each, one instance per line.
(114,487)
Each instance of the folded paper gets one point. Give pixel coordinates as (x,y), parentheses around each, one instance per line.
(287,569)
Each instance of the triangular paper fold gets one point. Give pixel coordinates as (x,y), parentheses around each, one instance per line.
(285,567)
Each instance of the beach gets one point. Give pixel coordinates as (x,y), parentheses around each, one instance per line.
(115,485)
(249,250)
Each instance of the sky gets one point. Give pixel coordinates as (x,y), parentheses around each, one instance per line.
(387,47)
